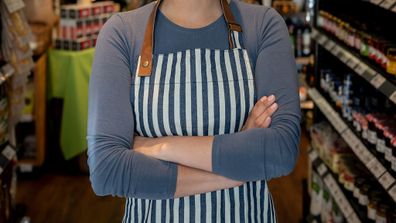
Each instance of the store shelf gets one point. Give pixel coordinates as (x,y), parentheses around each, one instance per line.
(7,153)
(6,72)
(337,193)
(386,4)
(362,152)
(371,74)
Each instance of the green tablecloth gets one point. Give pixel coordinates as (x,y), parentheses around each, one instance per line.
(68,77)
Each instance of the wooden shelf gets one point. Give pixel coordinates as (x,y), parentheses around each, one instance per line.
(40,73)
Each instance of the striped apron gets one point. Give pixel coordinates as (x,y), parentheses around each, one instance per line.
(197,92)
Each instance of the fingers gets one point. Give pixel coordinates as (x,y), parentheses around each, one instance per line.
(264,120)
(261,105)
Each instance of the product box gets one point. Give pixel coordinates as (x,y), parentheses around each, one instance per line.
(81,44)
(75,11)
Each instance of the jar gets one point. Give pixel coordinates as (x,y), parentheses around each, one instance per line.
(380,144)
(391,65)
(371,131)
(358,40)
(382,211)
(364,193)
(364,46)
(372,207)
(359,181)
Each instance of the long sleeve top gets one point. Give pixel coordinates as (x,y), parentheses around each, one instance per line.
(256,154)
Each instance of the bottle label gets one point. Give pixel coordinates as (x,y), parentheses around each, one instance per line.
(388,153)
(364,134)
(356,192)
(363,199)
(372,136)
(371,213)
(380,145)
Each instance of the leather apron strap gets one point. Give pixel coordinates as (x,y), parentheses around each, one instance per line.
(146,54)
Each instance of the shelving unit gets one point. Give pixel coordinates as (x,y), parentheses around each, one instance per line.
(334,187)
(339,66)
(386,4)
(39,72)
(377,78)
(384,177)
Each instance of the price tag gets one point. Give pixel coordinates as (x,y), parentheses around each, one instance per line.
(376,168)
(386,180)
(353,218)
(322,39)
(313,155)
(360,68)
(336,50)
(329,45)
(369,74)
(322,169)
(352,62)
(349,138)
(366,156)
(392,192)
(377,81)
(377,2)
(338,124)
(348,208)
(387,4)
(14,5)
(344,58)
(392,97)
(8,152)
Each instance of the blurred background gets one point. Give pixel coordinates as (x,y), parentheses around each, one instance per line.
(346,59)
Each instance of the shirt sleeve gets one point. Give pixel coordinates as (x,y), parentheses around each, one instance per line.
(265,153)
(115,169)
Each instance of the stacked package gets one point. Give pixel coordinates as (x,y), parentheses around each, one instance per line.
(80,24)
(16,51)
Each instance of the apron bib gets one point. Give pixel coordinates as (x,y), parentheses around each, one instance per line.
(197,92)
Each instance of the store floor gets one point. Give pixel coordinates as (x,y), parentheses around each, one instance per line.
(66,198)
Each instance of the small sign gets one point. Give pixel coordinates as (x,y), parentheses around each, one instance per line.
(377,81)
(386,180)
(376,2)
(376,168)
(392,192)
(8,152)
(392,97)
(387,4)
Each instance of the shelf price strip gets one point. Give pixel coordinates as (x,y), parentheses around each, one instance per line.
(361,68)
(368,159)
(335,190)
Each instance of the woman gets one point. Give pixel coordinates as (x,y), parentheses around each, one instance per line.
(174,121)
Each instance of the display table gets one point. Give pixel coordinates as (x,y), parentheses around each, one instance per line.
(68,78)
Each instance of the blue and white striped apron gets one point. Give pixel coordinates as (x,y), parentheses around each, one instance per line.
(198,92)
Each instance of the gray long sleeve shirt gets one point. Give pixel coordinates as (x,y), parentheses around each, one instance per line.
(255,154)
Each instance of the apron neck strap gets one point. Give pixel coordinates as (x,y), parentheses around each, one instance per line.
(146,54)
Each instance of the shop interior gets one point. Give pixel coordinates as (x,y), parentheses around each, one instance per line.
(346,61)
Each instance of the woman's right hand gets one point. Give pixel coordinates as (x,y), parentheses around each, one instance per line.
(260,116)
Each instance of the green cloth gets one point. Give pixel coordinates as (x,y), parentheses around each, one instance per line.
(68,74)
